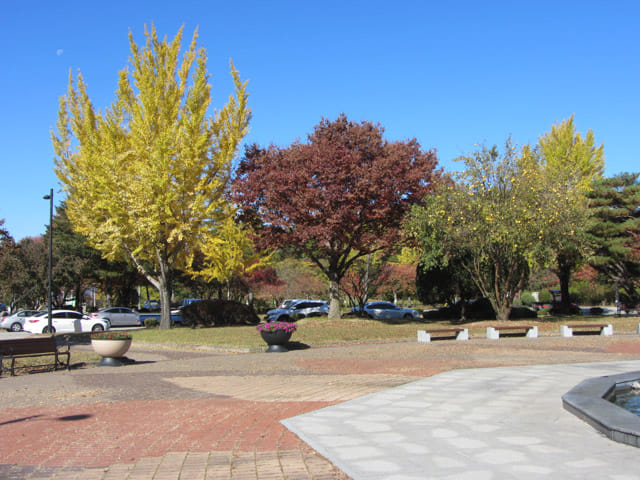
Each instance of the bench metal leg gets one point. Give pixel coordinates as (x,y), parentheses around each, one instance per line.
(492,333)
(607,331)
(463,335)
(532,332)
(566,331)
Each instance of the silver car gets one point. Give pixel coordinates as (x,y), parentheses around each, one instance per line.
(388,311)
(15,322)
(298,309)
(118,316)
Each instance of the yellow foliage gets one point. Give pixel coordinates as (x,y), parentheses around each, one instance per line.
(146,179)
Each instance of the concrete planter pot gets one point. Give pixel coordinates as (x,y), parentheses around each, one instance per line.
(277,340)
(111,350)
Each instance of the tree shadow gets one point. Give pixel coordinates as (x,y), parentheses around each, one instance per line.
(17,420)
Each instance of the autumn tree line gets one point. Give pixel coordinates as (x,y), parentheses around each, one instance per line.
(153,196)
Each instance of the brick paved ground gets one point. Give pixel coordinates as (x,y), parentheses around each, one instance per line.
(209,415)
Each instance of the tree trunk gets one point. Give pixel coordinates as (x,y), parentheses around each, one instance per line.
(502,311)
(564,276)
(165,306)
(334,297)
(165,294)
(365,298)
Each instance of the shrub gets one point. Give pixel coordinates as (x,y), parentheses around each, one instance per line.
(217,313)
(526,298)
(150,322)
(591,293)
(545,296)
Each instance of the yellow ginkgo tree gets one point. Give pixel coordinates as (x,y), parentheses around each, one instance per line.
(569,163)
(146,180)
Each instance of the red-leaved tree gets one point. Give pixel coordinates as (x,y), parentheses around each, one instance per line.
(401,281)
(338,197)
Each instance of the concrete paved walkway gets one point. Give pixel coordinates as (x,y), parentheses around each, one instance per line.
(217,415)
(493,423)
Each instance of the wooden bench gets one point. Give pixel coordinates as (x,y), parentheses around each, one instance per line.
(605,329)
(32,347)
(425,336)
(531,331)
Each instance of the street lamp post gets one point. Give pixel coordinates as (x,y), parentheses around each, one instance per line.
(50,198)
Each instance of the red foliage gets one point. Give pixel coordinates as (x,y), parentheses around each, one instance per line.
(344,192)
(401,280)
(264,282)
(587,272)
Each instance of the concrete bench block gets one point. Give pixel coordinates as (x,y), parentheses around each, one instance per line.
(566,331)
(423,337)
(463,335)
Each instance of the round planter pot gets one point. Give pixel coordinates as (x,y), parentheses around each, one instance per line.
(111,351)
(276,340)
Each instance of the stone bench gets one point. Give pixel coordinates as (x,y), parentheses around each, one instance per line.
(605,329)
(531,331)
(425,336)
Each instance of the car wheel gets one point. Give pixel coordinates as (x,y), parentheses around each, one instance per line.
(408,316)
(97,328)
(16,327)
(46,330)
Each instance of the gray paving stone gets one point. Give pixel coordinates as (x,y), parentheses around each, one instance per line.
(478,424)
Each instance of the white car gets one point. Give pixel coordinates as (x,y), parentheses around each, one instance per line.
(15,322)
(64,321)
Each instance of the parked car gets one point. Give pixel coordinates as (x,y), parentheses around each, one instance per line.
(64,321)
(118,316)
(387,311)
(285,303)
(15,322)
(151,305)
(298,309)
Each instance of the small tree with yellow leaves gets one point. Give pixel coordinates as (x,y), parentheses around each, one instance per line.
(488,220)
(147,179)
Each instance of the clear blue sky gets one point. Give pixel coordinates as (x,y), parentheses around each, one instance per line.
(452,74)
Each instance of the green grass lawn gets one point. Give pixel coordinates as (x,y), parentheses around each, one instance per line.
(313,331)
(317,331)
